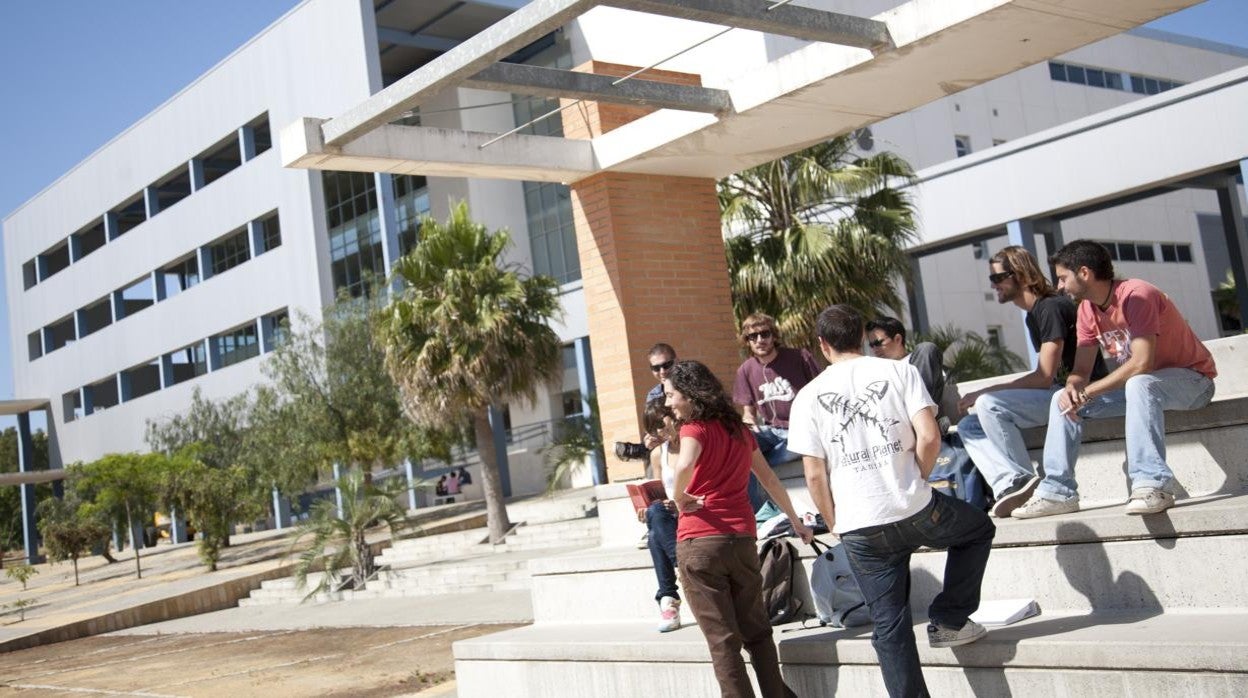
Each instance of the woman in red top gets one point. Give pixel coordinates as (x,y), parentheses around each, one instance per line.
(715,536)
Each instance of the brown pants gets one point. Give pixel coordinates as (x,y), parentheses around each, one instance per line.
(724,589)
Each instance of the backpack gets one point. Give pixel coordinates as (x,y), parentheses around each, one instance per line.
(838,600)
(777,557)
(956,475)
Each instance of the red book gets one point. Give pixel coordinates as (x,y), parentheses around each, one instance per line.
(646,493)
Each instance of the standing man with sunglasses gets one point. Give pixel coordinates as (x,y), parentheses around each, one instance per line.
(993,435)
(765,387)
(661,357)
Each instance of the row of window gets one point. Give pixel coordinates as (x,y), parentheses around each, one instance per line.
(1109,79)
(214,163)
(1147,251)
(352,211)
(234,248)
(213,353)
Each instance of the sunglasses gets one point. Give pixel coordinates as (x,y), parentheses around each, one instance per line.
(877,343)
(663,366)
(1000,276)
(755,336)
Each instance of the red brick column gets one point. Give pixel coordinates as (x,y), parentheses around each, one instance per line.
(653,268)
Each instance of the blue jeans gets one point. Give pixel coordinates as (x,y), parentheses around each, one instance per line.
(773,442)
(662,544)
(880,559)
(1143,401)
(994,434)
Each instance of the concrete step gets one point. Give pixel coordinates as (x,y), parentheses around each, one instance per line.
(1093,655)
(1098,559)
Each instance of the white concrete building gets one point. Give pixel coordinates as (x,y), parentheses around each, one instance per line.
(165,260)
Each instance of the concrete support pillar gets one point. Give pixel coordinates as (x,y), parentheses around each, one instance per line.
(80,322)
(86,396)
(632,231)
(75,249)
(195,170)
(118,303)
(267,332)
(246,143)
(255,238)
(45,339)
(388,214)
(919,324)
(111,229)
(281,511)
(159,292)
(204,255)
(177,527)
(124,391)
(1023,234)
(585,379)
(1236,238)
(338,488)
(41,268)
(151,201)
(410,471)
(26,464)
(166,371)
(213,353)
(500,449)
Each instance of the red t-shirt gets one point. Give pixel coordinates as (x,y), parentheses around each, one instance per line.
(721,474)
(1139,309)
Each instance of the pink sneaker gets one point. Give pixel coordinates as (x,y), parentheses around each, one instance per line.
(669,614)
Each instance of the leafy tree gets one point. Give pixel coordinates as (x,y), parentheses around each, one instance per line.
(339,538)
(124,486)
(968,356)
(70,530)
(464,333)
(21,572)
(817,227)
(211,498)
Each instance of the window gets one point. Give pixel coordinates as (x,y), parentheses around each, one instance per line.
(270,233)
(34,344)
(1112,247)
(29,276)
(88,240)
(136,297)
(1176,252)
(1083,75)
(129,215)
(1145,253)
(222,159)
(95,317)
(181,275)
(140,380)
(54,260)
(71,405)
(1057,71)
(354,230)
(994,336)
(261,134)
(1113,80)
(1075,74)
(187,363)
(411,201)
(230,252)
(58,334)
(1096,78)
(979,250)
(237,346)
(103,394)
(1126,252)
(998,141)
(1136,251)
(962,145)
(172,188)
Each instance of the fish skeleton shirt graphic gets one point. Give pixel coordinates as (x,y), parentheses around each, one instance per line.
(863,408)
(1116,345)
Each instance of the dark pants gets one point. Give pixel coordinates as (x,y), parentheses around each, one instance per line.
(880,559)
(724,590)
(662,544)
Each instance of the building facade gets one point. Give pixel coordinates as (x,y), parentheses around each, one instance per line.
(167,260)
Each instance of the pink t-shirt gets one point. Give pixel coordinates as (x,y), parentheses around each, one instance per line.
(721,474)
(1139,309)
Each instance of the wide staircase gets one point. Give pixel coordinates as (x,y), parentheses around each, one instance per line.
(1131,606)
(462,561)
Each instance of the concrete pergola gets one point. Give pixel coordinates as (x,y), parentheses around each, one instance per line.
(642,156)
(26,477)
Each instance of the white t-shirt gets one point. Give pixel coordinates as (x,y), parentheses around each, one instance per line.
(667,471)
(857,416)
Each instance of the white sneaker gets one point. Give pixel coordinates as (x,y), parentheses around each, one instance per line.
(1149,500)
(940,636)
(1039,506)
(669,614)
(644,542)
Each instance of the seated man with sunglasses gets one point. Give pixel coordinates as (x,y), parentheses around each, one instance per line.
(886,337)
(993,435)
(765,386)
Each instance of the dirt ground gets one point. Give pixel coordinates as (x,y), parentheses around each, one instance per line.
(368,662)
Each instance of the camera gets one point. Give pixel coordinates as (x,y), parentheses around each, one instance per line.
(625,450)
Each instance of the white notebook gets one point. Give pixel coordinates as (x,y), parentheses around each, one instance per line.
(1005,612)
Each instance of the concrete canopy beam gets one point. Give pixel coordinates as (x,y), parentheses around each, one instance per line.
(390,35)
(499,40)
(549,82)
(785,20)
(440,153)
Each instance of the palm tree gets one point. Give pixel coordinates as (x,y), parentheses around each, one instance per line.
(817,227)
(969,356)
(338,537)
(465,333)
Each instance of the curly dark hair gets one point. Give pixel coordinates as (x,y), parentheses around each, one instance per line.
(710,403)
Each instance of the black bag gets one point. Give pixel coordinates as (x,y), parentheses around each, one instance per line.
(778,557)
(955,474)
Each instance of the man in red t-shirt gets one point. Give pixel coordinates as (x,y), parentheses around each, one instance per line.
(1156,363)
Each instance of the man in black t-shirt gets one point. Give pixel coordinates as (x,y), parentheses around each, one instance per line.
(993,435)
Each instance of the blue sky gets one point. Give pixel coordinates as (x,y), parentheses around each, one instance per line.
(75,73)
